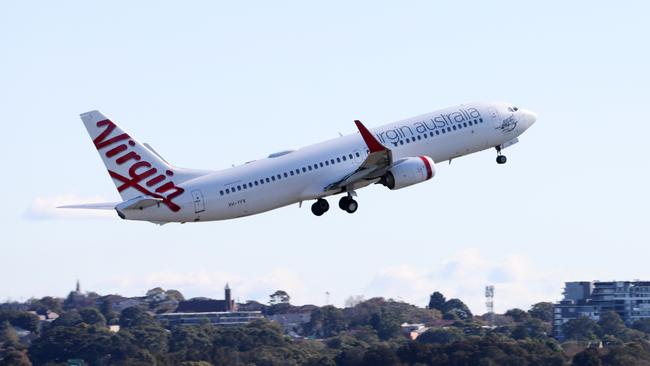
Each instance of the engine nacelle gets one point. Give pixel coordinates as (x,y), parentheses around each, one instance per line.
(409,171)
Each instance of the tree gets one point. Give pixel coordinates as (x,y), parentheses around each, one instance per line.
(386,324)
(441,336)
(279,297)
(517,315)
(457,307)
(8,335)
(14,357)
(326,321)
(581,329)
(542,311)
(23,319)
(588,357)
(642,325)
(92,316)
(437,301)
(612,324)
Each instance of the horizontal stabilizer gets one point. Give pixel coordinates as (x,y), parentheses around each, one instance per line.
(138,203)
(94,206)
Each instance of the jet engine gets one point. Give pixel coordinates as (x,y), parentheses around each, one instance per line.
(408,171)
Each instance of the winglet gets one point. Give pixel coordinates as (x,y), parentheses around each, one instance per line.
(369,138)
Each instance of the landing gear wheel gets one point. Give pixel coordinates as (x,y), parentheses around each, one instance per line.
(501,159)
(343,202)
(320,207)
(348,204)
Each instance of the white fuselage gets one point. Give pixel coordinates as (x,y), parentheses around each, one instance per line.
(302,175)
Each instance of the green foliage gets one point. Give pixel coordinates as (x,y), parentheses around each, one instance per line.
(542,311)
(611,323)
(326,321)
(517,315)
(46,303)
(92,316)
(581,329)
(457,308)
(437,301)
(531,328)
(23,319)
(642,325)
(441,336)
(8,335)
(14,357)
(588,357)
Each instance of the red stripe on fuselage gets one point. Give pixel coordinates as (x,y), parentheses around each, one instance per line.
(428,166)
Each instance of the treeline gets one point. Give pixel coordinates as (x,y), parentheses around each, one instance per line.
(363,333)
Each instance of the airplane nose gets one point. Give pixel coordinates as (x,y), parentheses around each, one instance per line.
(529,117)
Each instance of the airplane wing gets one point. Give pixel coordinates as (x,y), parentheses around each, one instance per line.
(378,161)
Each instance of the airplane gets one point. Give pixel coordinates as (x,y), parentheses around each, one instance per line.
(396,155)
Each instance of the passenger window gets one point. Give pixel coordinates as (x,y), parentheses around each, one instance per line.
(267,180)
(321,164)
(279,177)
(464,124)
(448,129)
(327,163)
(227,190)
(309,167)
(350,156)
(401,142)
(419,137)
(431,133)
(443,131)
(297,171)
(358,155)
(338,160)
(332,161)
(273,178)
(256,183)
(304,170)
(291,172)
(239,188)
(408,140)
(344,159)
(470,123)
(454,127)
(480,120)
(286,175)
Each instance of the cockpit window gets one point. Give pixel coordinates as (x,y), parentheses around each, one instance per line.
(513,109)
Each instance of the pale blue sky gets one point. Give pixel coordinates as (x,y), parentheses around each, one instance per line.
(211,84)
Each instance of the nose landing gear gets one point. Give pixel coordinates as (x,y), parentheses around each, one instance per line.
(501,159)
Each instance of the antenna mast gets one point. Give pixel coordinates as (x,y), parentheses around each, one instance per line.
(489,303)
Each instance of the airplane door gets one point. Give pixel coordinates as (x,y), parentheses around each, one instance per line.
(197,197)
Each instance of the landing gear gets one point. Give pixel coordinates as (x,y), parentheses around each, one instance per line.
(348,204)
(501,159)
(320,207)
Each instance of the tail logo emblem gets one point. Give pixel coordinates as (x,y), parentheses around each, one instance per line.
(159,186)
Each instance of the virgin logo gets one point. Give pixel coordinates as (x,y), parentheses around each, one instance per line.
(142,175)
